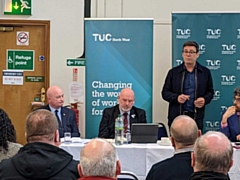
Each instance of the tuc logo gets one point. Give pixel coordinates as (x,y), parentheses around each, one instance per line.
(228,80)
(212,125)
(213,64)
(108,37)
(183,33)
(202,48)
(217,95)
(213,33)
(102,37)
(178,62)
(223,108)
(229,48)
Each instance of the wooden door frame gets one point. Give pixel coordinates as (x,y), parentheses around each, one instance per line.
(46,24)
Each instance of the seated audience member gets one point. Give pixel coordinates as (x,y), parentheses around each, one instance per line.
(212,157)
(66,117)
(8,145)
(40,158)
(129,112)
(98,161)
(184,132)
(230,123)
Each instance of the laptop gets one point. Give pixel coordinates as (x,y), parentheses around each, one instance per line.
(144,133)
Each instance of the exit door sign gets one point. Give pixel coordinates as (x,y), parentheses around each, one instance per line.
(20,59)
(18,7)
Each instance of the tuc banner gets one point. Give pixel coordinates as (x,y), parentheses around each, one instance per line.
(118,54)
(219,51)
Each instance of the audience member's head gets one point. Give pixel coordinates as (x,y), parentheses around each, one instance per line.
(42,126)
(55,97)
(184,132)
(99,158)
(126,99)
(212,152)
(7,131)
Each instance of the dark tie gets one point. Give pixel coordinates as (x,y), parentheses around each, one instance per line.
(59,121)
(125,121)
(239,122)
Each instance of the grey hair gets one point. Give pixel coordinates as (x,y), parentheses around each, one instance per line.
(103,165)
(208,160)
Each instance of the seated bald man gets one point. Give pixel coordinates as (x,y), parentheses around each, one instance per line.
(66,117)
(98,161)
(126,100)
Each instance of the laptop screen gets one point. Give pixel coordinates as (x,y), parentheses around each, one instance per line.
(144,133)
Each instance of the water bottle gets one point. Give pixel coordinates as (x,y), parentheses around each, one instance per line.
(119,130)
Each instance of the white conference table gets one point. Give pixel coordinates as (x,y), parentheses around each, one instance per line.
(139,158)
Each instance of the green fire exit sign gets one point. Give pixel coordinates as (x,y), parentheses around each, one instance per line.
(18,7)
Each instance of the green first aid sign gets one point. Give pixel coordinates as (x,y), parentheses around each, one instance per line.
(20,59)
(18,7)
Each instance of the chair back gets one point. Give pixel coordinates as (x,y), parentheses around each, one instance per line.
(162,131)
(127,175)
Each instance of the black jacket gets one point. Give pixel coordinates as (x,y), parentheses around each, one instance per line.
(107,124)
(208,175)
(37,161)
(173,87)
(177,167)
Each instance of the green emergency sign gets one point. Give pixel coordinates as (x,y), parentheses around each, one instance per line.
(76,62)
(20,59)
(18,7)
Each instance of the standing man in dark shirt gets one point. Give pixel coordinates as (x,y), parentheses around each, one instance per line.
(188,87)
(134,115)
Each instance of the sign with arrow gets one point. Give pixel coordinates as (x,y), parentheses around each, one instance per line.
(18,7)
(76,62)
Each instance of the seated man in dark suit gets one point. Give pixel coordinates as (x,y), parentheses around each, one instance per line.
(230,123)
(184,132)
(66,117)
(125,108)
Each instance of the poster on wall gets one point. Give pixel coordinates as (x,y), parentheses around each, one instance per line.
(118,54)
(219,52)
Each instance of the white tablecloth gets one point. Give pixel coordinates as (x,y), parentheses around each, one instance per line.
(139,158)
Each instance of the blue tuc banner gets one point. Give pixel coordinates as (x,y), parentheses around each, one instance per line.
(118,55)
(219,51)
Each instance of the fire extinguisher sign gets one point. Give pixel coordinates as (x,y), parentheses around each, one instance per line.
(75,74)
(76,92)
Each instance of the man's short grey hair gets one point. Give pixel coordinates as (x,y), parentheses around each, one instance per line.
(103,165)
(208,160)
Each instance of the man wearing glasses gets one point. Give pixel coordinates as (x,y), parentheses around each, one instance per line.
(230,123)
(188,87)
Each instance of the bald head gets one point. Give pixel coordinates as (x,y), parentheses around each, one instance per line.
(213,152)
(126,99)
(55,97)
(98,158)
(184,131)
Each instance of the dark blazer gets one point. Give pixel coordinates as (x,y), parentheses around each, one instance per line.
(69,124)
(177,167)
(107,124)
(173,87)
(232,130)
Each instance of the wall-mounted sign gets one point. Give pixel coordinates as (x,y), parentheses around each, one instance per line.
(76,62)
(18,7)
(20,59)
(34,78)
(10,77)
(22,38)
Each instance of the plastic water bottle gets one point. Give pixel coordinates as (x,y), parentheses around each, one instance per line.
(119,130)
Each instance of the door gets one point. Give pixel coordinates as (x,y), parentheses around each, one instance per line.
(16,38)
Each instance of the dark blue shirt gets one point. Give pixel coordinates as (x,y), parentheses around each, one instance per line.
(189,89)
